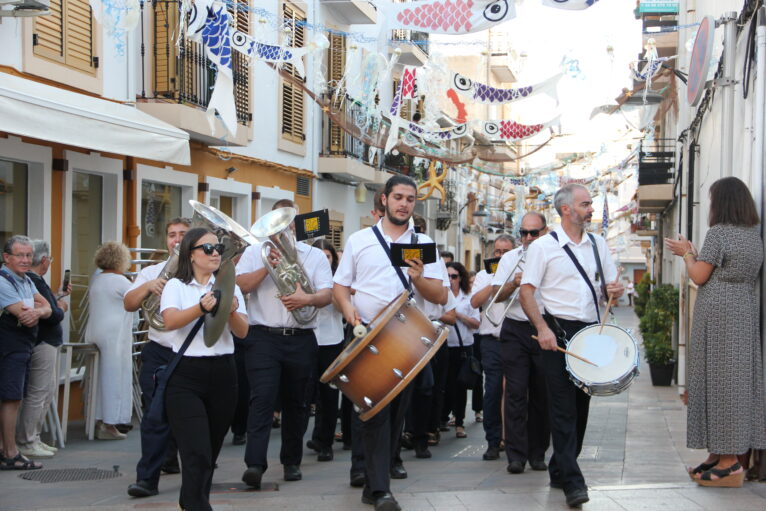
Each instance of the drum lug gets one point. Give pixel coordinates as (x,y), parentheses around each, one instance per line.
(367,401)
(398,373)
(401,317)
(333,386)
(357,409)
(373,349)
(343,378)
(428,342)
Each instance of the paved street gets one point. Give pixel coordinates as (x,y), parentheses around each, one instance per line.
(633,459)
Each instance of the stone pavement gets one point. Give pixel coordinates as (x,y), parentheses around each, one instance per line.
(634,458)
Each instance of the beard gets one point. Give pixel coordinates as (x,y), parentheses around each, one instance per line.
(394,220)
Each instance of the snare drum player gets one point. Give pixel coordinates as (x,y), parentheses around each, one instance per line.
(281,354)
(366,267)
(569,267)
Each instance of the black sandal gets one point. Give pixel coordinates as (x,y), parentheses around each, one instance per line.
(26,463)
(702,467)
(725,477)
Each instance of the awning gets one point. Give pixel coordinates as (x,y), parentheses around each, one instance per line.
(36,110)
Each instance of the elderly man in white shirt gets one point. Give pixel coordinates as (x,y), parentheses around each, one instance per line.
(570,268)
(488,337)
(281,354)
(366,268)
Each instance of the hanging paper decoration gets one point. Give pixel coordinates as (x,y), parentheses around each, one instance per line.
(511,130)
(462,113)
(246,45)
(118,17)
(446,16)
(572,5)
(483,93)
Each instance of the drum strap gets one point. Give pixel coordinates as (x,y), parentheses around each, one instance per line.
(582,271)
(600,269)
(406,282)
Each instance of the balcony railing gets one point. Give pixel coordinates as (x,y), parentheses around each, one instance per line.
(337,142)
(419,39)
(183,73)
(656,161)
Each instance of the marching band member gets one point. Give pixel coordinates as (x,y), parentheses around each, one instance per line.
(158,351)
(202,390)
(567,266)
(527,433)
(366,267)
(281,355)
(489,345)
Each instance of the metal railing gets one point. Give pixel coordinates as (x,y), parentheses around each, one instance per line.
(337,142)
(656,161)
(419,39)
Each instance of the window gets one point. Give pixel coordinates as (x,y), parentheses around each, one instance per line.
(336,66)
(13,199)
(66,35)
(292,95)
(159,203)
(303,186)
(336,234)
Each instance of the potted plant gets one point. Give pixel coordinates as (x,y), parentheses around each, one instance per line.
(656,325)
(643,290)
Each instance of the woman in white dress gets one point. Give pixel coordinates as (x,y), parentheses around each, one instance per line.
(110,328)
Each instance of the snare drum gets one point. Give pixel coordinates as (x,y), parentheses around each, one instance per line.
(373,369)
(614,351)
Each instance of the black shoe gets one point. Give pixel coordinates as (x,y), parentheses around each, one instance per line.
(406,440)
(422,452)
(386,502)
(171,467)
(515,467)
(325,454)
(357,479)
(141,489)
(313,446)
(538,465)
(558,485)
(252,477)
(398,472)
(576,498)
(239,439)
(293,473)
(493,453)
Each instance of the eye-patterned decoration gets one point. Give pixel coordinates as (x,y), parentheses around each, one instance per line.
(447,16)
(483,93)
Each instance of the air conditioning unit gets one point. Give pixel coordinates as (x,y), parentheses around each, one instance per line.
(25,8)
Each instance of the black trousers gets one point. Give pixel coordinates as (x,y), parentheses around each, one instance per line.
(422,403)
(278,366)
(477,392)
(200,399)
(527,432)
(568,408)
(153,355)
(457,394)
(326,417)
(440,366)
(376,443)
(492,363)
(239,424)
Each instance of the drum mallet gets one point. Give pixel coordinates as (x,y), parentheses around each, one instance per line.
(359,329)
(578,357)
(609,303)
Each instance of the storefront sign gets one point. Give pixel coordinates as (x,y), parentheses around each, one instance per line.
(655,6)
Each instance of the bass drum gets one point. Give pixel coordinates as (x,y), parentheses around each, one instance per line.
(614,351)
(373,369)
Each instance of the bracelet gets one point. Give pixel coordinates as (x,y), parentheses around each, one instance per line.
(689,253)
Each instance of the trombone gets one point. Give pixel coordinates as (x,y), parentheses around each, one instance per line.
(511,299)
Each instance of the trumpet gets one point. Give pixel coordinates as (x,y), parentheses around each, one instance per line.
(511,299)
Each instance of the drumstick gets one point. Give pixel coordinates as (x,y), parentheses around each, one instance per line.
(606,313)
(578,357)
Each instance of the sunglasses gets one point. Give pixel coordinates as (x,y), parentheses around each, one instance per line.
(208,248)
(454,276)
(532,232)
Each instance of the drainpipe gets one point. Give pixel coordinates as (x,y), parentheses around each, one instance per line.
(727,84)
(760,120)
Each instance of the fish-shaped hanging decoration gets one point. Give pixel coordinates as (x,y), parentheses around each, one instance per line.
(273,53)
(446,16)
(509,131)
(572,5)
(484,93)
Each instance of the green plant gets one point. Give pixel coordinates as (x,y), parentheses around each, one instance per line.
(656,324)
(643,291)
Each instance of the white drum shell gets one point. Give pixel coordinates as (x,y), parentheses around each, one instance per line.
(616,353)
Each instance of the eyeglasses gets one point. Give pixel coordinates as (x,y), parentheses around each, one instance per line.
(21,256)
(208,248)
(532,232)
(454,276)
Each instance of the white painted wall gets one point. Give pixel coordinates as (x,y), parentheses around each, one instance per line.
(340,197)
(10,42)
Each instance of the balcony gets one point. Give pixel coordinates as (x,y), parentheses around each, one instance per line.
(183,79)
(414,46)
(353,12)
(501,65)
(343,156)
(656,175)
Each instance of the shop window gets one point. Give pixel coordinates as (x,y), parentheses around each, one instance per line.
(293,101)
(13,199)
(159,204)
(66,35)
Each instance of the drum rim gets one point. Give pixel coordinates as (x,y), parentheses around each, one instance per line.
(385,314)
(631,373)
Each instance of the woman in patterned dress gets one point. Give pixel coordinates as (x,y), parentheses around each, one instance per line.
(726,413)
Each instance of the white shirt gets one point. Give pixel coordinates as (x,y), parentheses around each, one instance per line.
(563,291)
(366,268)
(482,280)
(433,310)
(504,268)
(263,306)
(178,295)
(463,307)
(145,275)
(329,329)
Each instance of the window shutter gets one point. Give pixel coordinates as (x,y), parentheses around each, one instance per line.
(49,33)
(293,107)
(241,63)
(165,68)
(336,234)
(78,36)
(336,58)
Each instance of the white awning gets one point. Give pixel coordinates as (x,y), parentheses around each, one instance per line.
(36,110)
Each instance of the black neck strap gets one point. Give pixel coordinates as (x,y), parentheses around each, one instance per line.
(406,282)
(582,271)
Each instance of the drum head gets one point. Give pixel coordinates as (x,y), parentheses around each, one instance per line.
(614,351)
